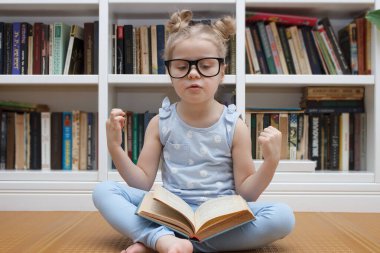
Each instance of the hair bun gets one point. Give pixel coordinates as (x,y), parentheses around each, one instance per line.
(225,27)
(179,20)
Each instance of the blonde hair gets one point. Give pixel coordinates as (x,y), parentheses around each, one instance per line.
(180,26)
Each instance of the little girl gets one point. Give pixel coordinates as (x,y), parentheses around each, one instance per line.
(205,147)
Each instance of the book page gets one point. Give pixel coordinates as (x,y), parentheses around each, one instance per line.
(218,207)
(155,210)
(174,202)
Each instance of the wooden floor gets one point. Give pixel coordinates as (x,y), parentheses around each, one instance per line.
(87,232)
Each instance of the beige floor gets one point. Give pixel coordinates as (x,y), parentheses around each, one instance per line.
(87,232)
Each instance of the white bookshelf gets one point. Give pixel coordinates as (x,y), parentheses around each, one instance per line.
(71,190)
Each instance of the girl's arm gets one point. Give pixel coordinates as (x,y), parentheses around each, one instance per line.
(143,174)
(248,182)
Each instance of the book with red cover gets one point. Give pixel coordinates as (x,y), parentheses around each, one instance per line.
(280,18)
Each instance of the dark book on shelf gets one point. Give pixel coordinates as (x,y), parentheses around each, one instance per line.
(88,37)
(266,48)
(56,141)
(8,31)
(37,48)
(335,45)
(24,48)
(3,139)
(311,50)
(2,48)
(35,141)
(128,49)
(259,49)
(74,64)
(315,139)
(120,50)
(10,160)
(334,141)
(16,48)
(96,47)
(160,48)
(286,49)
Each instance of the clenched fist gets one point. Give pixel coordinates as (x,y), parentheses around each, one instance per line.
(270,140)
(114,125)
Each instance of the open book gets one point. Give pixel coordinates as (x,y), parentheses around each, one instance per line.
(213,217)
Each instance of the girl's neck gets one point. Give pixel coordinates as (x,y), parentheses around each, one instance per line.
(200,115)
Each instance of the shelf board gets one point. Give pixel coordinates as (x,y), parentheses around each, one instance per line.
(161,9)
(151,80)
(52,175)
(309,80)
(49,79)
(42,8)
(317,177)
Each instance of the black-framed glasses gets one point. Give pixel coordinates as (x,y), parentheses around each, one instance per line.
(207,67)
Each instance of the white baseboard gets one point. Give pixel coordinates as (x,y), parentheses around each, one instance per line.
(300,201)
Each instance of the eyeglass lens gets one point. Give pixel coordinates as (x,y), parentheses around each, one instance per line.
(206,67)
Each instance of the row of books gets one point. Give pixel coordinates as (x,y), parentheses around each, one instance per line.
(134,132)
(288,44)
(139,50)
(48,140)
(48,49)
(336,141)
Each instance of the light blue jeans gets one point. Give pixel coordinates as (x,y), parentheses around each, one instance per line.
(118,202)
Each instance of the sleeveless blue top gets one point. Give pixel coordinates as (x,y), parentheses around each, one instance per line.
(197,162)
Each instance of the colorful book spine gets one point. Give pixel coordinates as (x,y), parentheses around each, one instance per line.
(67,140)
(16,49)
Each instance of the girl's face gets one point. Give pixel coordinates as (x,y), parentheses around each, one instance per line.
(193,87)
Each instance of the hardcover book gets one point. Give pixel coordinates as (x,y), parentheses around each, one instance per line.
(211,218)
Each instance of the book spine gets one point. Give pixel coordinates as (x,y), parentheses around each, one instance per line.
(292,140)
(128,49)
(24,48)
(8,49)
(120,50)
(2,53)
(67,140)
(37,48)
(16,48)
(83,141)
(266,47)
(88,36)
(90,129)
(75,139)
(314,137)
(35,141)
(335,45)
(344,141)
(272,44)
(56,140)
(3,139)
(160,49)
(96,48)
(286,50)
(11,129)
(45,140)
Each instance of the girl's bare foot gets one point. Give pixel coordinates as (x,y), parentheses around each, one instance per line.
(172,244)
(137,248)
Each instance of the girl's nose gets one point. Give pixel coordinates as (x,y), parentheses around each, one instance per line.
(193,73)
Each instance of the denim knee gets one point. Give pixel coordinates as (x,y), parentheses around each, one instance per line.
(101,190)
(286,221)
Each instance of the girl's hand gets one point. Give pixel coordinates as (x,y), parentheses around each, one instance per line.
(270,141)
(114,125)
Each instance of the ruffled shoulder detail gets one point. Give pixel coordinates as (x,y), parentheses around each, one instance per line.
(231,113)
(166,109)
